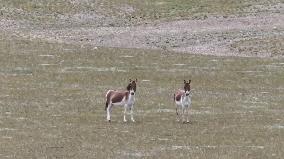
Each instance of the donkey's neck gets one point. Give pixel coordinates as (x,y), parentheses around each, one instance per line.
(130,97)
(186,98)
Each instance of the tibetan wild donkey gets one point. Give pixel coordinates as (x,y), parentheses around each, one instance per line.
(124,98)
(182,99)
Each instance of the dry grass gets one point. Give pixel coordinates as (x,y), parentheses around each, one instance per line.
(52,95)
(124,12)
(52,104)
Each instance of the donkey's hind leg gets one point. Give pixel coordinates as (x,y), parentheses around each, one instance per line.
(108,111)
(177,113)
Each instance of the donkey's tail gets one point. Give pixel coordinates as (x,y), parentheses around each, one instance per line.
(175,101)
(106,105)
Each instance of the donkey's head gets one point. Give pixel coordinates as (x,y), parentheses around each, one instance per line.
(187,87)
(132,86)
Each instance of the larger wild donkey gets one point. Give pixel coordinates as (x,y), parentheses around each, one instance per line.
(124,98)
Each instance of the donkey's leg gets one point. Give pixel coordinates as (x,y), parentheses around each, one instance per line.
(177,112)
(124,113)
(183,112)
(108,111)
(187,115)
(131,113)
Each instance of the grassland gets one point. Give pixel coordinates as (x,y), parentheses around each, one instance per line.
(54,73)
(52,104)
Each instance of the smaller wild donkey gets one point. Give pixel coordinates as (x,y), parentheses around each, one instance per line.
(182,100)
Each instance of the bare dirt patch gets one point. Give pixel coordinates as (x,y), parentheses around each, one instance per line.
(211,36)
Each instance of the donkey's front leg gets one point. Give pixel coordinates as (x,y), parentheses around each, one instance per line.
(131,113)
(187,115)
(124,113)
(183,113)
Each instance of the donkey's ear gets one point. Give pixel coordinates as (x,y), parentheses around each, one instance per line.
(128,87)
(189,81)
(184,81)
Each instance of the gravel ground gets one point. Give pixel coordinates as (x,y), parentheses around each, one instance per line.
(259,35)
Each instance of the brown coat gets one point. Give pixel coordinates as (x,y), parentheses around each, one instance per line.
(178,95)
(115,96)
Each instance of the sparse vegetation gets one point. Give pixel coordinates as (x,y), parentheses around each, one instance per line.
(57,60)
(52,104)
(270,46)
(124,12)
